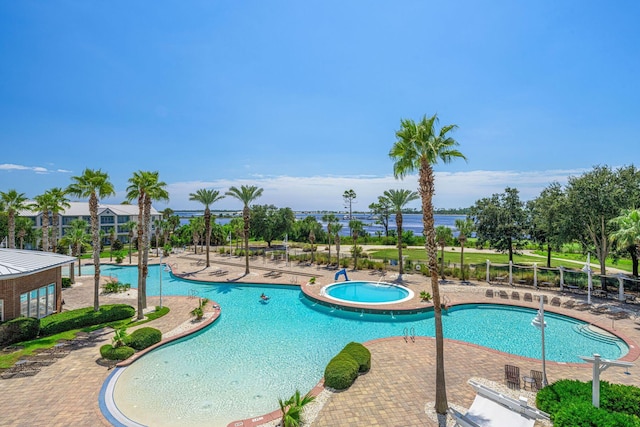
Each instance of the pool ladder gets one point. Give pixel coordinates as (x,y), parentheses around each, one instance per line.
(193,293)
(409,333)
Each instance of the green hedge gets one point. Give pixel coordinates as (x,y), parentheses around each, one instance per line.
(343,369)
(143,338)
(569,404)
(66,282)
(83,317)
(18,330)
(110,352)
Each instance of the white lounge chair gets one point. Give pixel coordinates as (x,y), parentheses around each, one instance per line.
(493,409)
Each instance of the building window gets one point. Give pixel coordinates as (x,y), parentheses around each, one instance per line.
(123,219)
(106,220)
(87,219)
(39,302)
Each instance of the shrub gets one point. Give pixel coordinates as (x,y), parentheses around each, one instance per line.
(143,338)
(110,352)
(341,372)
(83,317)
(18,330)
(117,245)
(360,354)
(115,287)
(66,282)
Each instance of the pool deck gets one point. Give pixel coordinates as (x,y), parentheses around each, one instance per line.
(394,393)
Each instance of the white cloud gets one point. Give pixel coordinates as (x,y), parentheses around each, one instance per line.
(453,189)
(36,169)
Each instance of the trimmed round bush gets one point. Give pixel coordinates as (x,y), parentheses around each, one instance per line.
(143,338)
(18,330)
(341,372)
(360,354)
(584,414)
(110,352)
(83,317)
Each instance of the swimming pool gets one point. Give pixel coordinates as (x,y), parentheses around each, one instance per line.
(256,353)
(367,292)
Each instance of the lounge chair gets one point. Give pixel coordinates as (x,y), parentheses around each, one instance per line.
(555,301)
(544,298)
(537,378)
(489,293)
(569,304)
(503,294)
(528,297)
(512,376)
(515,295)
(491,408)
(601,309)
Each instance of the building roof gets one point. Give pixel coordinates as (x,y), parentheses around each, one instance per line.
(77,209)
(17,262)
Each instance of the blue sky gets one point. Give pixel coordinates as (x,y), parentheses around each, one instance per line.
(303,98)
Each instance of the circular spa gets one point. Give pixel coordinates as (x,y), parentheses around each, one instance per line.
(367,292)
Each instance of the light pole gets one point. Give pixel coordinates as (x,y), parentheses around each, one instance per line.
(539,323)
(160,280)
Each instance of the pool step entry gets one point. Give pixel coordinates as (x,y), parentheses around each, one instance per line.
(590,331)
(409,333)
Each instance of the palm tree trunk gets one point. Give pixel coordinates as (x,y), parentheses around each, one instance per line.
(427,191)
(140,246)
(54,231)
(245,217)
(12,229)
(145,260)
(399,226)
(45,231)
(93,209)
(207,227)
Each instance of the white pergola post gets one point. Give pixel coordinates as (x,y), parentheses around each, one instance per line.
(511,273)
(561,269)
(600,365)
(621,287)
(587,269)
(488,274)
(535,275)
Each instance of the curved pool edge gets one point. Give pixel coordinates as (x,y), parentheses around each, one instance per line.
(106,401)
(324,291)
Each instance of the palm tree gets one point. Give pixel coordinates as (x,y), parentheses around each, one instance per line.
(112,237)
(197,228)
(329,219)
(443,235)
(144,186)
(418,147)
(12,202)
(130,226)
(246,194)
(76,237)
(292,409)
(628,234)
(207,198)
(59,202)
(465,228)
(23,226)
(356,226)
(336,227)
(95,185)
(43,203)
(398,200)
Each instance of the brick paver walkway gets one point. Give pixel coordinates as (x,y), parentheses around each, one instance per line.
(393,393)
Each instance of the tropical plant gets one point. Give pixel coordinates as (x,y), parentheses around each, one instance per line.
(628,234)
(198,312)
(357,227)
(465,228)
(207,198)
(76,237)
(93,184)
(59,202)
(197,229)
(12,202)
(246,194)
(43,203)
(398,199)
(349,196)
(443,236)
(144,186)
(418,147)
(130,226)
(329,219)
(24,226)
(335,230)
(292,408)
(119,337)
(425,296)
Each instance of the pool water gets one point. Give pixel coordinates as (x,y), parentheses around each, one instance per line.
(367,292)
(256,353)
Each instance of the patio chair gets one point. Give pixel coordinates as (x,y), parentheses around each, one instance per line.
(489,293)
(545,299)
(512,376)
(515,295)
(528,297)
(569,304)
(555,301)
(503,294)
(537,377)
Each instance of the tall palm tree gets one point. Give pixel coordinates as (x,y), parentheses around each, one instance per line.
(59,202)
(443,236)
(465,228)
(246,194)
(144,186)
(356,226)
(329,219)
(23,226)
(112,238)
(12,202)
(43,204)
(95,185)
(207,198)
(197,228)
(398,200)
(76,237)
(418,147)
(130,226)
(628,234)
(336,227)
